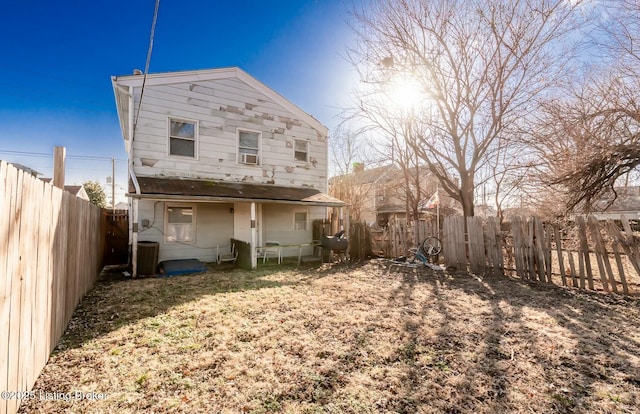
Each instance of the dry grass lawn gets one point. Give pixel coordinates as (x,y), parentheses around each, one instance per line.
(346,339)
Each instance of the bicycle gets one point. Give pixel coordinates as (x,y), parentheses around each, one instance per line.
(430,247)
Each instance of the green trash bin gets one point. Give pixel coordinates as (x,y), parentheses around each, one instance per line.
(147,258)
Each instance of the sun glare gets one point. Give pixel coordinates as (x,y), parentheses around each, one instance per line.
(405,93)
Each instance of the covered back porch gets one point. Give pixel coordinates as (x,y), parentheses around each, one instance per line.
(201,219)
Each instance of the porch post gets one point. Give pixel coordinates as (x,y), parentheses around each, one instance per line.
(134,237)
(254,237)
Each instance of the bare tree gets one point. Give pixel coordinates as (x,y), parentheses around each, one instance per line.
(346,148)
(594,133)
(479,65)
(508,168)
(347,151)
(593,139)
(391,130)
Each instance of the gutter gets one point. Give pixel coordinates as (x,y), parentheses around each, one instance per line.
(121,92)
(208,199)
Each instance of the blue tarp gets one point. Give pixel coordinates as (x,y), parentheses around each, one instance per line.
(181,267)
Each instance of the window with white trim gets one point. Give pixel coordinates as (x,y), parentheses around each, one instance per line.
(300,220)
(301,150)
(180,224)
(248,147)
(182,137)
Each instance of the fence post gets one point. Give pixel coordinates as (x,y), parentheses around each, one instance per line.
(601,255)
(614,233)
(558,240)
(584,253)
(59,154)
(539,249)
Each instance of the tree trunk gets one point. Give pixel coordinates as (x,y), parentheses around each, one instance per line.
(466,195)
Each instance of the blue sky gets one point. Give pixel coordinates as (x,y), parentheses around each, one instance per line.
(57,58)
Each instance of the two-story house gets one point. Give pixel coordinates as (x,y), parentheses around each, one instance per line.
(216,155)
(377,194)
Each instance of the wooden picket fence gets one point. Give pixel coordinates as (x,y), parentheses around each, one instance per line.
(399,236)
(588,254)
(50,253)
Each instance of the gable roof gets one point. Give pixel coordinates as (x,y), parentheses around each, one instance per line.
(26,169)
(384,174)
(166,78)
(365,176)
(627,200)
(76,190)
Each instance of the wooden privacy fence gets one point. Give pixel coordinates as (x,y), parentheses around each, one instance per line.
(114,229)
(359,241)
(588,254)
(49,258)
(399,235)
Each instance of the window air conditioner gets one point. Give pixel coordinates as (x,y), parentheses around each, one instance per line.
(249,159)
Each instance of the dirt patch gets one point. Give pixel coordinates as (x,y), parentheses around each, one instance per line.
(349,340)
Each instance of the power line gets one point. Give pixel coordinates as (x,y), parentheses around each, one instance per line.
(73,157)
(146,66)
(31,154)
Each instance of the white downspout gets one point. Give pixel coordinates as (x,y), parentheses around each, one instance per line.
(133,213)
(254,237)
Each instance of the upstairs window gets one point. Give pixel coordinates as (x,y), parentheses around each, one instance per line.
(301,150)
(248,147)
(182,138)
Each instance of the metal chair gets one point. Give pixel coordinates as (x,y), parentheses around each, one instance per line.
(271,248)
(227,257)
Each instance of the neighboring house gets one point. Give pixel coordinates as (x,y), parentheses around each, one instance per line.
(216,155)
(76,190)
(122,205)
(626,203)
(365,190)
(377,194)
(26,169)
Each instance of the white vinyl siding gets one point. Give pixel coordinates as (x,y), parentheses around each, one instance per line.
(208,103)
(215,227)
(278,220)
(182,138)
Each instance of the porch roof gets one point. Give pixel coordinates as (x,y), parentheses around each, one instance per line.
(210,190)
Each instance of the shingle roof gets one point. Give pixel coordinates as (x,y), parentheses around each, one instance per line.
(628,199)
(365,176)
(153,187)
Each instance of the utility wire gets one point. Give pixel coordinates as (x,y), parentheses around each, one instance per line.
(76,157)
(146,66)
